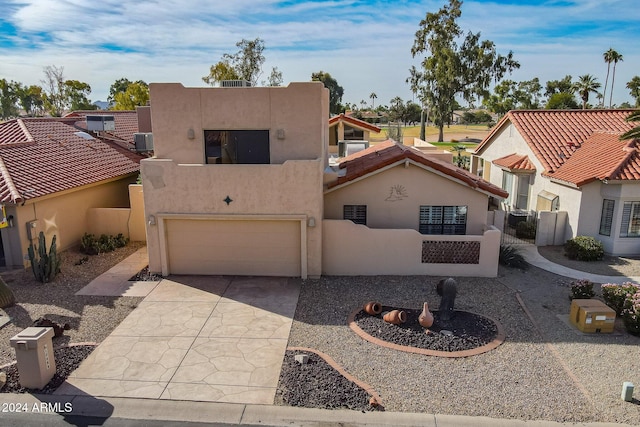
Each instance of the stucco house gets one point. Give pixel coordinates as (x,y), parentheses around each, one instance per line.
(51,174)
(568,161)
(343,127)
(240,184)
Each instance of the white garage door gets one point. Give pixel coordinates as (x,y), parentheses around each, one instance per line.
(229,247)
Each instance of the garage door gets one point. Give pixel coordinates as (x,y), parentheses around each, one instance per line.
(230,247)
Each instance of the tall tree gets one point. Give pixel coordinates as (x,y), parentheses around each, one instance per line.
(8,99)
(120,86)
(449,68)
(615,58)
(335,90)
(635,132)
(584,86)
(275,78)
(54,90)
(559,86)
(136,94)
(373,97)
(76,94)
(561,101)
(634,87)
(31,100)
(608,59)
(245,64)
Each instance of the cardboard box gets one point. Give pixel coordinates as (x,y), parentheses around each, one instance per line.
(591,315)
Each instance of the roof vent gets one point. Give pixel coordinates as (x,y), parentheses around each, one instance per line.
(235,83)
(101,123)
(143,142)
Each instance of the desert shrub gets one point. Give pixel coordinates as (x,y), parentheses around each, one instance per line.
(7,299)
(616,296)
(631,314)
(45,265)
(582,289)
(584,248)
(526,230)
(510,257)
(91,245)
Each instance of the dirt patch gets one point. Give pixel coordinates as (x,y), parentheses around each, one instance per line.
(609,266)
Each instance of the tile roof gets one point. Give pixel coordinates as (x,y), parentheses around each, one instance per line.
(601,157)
(390,152)
(53,158)
(515,162)
(126,122)
(554,135)
(352,121)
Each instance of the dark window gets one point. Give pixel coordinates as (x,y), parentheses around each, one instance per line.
(443,220)
(356,213)
(236,146)
(606,218)
(630,226)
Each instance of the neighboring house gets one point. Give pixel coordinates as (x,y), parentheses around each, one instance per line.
(347,128)
(422,214)
(240,185)
(51,174)
(572,161)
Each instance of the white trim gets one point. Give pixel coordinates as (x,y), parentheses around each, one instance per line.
(161,217)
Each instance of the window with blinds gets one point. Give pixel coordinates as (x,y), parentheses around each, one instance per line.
(443,220)
(356,213)
(630,226)
(606,218)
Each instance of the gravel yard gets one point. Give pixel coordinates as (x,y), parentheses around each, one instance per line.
(91,318)
(544,370)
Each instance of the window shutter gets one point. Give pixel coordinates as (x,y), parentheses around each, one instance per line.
(626,216)
(356,213)
(606,218)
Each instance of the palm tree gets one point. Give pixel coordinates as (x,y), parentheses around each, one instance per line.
(373,96)
(635,132)
(634,86)
(608,58)
(615,58)
(584,86)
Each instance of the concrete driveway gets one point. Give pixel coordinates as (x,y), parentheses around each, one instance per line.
(200,338)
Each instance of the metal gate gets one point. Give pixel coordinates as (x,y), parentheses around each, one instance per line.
(519,227)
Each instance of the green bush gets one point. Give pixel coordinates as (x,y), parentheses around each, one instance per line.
(616,296)
(526,230)
(582,289)
(631,314)
(91,245)
(510,257)
(584,248)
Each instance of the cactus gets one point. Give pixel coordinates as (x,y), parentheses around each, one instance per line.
(7,299)
(45,265)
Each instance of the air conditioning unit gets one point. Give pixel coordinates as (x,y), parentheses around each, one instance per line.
(235,83)
(347,147)
(101,123)
(143,142)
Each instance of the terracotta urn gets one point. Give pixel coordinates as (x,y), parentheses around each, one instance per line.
(426,318)
(395,317)
(373,308)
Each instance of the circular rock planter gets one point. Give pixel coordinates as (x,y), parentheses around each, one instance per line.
(466,334)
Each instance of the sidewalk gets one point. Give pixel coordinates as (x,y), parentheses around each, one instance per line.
(533,257)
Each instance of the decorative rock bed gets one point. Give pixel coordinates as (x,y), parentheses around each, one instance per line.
(466,334)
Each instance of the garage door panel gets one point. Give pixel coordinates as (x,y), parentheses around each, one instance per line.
(233,247)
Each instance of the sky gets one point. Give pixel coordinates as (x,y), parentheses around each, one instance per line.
(364,45)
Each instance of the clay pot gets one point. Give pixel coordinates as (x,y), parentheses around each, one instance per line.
(426,318)
(395,317)
(373,308)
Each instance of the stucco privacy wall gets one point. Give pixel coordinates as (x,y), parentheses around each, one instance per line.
(65,214)
(128,221)
(351,249)
(394,196)
(178,182)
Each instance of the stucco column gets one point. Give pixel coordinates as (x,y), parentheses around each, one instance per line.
(340,131)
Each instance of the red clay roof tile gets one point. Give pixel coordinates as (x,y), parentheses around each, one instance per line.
(515,162)
(555,135)
(601,157)
(390,152)
(54,160)
(353,122)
